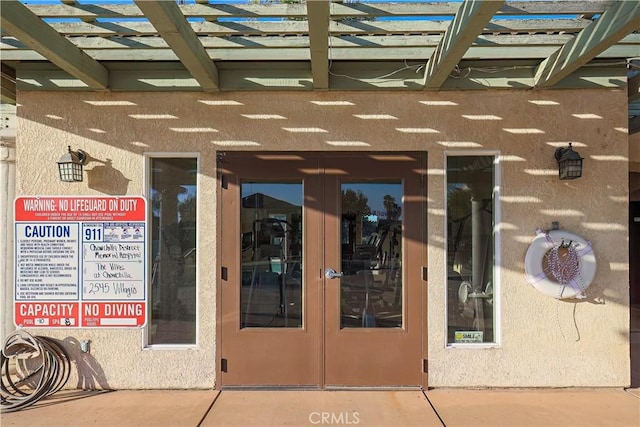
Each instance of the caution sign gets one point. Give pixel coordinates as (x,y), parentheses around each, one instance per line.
(77,257)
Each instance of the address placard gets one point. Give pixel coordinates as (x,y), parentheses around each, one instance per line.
(80,261)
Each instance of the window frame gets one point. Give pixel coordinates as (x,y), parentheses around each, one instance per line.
(146,178)
(497,264)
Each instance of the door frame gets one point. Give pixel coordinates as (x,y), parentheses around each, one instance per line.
(221,182)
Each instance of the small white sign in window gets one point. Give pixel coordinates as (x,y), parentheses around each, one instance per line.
(469,336)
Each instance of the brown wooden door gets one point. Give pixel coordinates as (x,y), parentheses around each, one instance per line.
(375,313)
(288,218)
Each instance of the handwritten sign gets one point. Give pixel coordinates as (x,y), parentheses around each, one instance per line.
(113,255)
(80,261)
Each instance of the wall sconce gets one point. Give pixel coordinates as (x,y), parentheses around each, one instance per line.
(569,163)
(70,165)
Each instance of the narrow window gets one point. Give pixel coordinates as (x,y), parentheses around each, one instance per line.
(173,204)
(470,249)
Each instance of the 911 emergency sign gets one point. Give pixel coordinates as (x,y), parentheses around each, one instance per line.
(80,262)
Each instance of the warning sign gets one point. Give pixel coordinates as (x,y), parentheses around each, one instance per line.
(73,250)
(113,314)
(80,208)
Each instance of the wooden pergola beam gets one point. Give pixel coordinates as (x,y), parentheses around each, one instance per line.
(517,45)
(339,10)
(318,18)
(616,22)
(173,27)
(471,19)
(17,20)
(260,28)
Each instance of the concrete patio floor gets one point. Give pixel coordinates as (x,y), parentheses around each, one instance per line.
(439,407)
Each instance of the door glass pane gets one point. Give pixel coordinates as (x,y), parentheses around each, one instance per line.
(470,249)
(174,194)
(371,249)
(271,221)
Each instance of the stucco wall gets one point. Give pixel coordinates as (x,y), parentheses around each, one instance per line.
(543,342)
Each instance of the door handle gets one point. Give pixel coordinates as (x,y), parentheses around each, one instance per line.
(330,273)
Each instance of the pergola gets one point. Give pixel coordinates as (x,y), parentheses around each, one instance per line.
(164,45)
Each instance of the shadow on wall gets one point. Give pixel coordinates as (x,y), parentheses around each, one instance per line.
(106,179)
(90,373)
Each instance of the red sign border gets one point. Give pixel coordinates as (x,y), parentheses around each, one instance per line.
(141,216)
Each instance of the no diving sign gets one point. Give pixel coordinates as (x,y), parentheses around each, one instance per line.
(113,314)
(80,262)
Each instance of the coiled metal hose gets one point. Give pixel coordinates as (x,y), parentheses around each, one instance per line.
(32,367)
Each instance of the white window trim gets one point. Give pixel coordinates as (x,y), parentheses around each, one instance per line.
(497,241)
(146,179)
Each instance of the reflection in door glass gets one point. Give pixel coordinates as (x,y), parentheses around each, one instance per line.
(371,237)
(271,291)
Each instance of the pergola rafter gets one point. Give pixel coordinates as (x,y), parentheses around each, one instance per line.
(318,19)
(17,20)
(471,19)
(615,23)
(173,27)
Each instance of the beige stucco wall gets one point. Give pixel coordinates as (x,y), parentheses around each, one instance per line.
(543,342)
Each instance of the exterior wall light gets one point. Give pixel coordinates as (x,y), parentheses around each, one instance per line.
(70,165)
(569,163)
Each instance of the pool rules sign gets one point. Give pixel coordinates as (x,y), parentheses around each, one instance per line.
(80,262)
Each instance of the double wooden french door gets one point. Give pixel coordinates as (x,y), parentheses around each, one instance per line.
(323,259)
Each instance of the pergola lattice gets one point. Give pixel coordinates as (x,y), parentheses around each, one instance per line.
(160,45)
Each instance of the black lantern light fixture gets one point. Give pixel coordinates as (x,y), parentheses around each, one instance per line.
(569,163)
(70,165)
